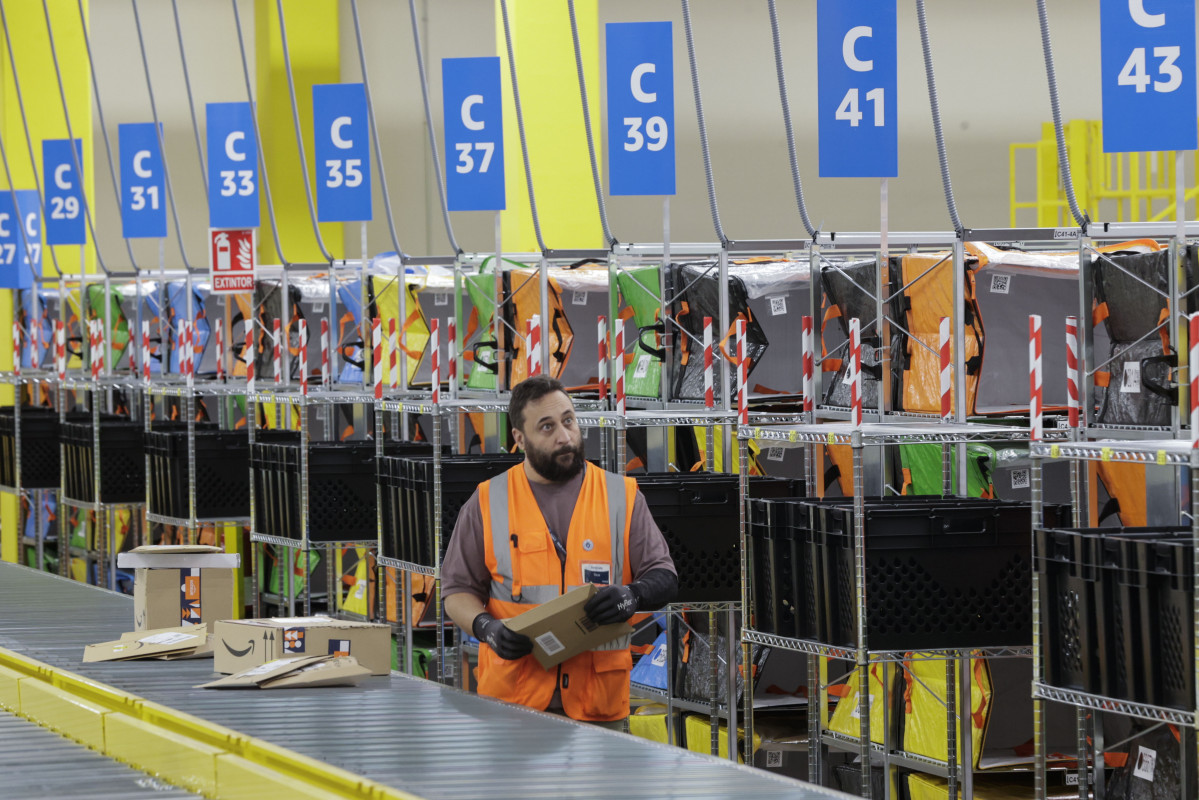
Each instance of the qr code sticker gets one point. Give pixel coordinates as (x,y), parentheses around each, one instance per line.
(778,305)
(1020,479)
(1001,284)
(774,454)
(578,298)
(642,367)
(441,299)
(774,758)
(1131,382)
(549,643)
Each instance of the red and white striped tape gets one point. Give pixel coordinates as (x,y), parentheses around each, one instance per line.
(618,383)
(435,352)
(145,350)
(304,357)
(35,342)
(1072,401)
(809,365)
(277,353)
(96,349)
(325,353)
(855,367)
(220,350)
(16,349)
(1193,368)
(601,334)
(742,374)
(60,349)
(946,365)
(451,352)
(377,361)
(1034,379)
(393,372)
(249,355)
(181,348)
(191,352)
(709,392)
(535,345)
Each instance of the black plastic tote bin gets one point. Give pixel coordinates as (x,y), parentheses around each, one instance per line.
(785,576)
(122,460)
(222,468)
(39,448)
(940,572)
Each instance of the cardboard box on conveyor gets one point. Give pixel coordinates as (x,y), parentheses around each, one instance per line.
(180,584)
(560,630)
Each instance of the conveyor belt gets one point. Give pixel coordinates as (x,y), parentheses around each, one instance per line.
(36,762)
(414,735)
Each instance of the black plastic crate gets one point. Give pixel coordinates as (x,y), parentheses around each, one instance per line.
(39,448)
(122,460)
(341,489)
(411,480)
(700,517)
(1073,610)
(787,592)
(940,572)
(1155,577)
(222,467)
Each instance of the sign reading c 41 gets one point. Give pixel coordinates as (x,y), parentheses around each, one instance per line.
(856,77)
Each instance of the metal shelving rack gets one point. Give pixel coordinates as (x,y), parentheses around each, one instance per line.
(104,554)
(1177,453)
(18,380)
(292,398)
(956,659)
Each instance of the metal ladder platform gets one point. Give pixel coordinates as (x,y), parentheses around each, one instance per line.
(391,736)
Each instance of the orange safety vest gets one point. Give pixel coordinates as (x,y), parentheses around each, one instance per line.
(526,572)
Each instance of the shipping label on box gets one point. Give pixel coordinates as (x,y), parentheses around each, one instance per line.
(241,644)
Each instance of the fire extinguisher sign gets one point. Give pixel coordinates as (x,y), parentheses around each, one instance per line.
(231,259)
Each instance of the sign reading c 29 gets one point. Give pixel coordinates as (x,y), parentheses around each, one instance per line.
(1148,73)
(856,76)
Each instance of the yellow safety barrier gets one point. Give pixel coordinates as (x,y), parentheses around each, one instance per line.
(1119,187)
(175,747)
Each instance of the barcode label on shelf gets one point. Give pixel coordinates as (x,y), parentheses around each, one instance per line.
(1146,764)
(774,758)
(774,453)
(550,643)
(778,305)
(1020,479)
(1001,284)
(441,299)
(578,298)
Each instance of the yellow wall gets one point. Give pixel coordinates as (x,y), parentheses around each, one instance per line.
(549,98)
(312,38)
(44,116)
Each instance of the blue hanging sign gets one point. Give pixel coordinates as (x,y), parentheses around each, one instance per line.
(232,166)
(64,192)
(343,154)
(143,182)
(472,113)
(1147,55)
(640,57)
(856,91)
(20,238)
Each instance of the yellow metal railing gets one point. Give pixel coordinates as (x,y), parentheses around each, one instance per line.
(1119,187)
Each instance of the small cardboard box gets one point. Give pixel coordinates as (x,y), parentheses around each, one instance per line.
(170,642)
(295,673)
(180,585)
(560,630)
(244,643)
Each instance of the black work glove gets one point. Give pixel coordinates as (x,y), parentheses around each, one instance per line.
(507,644)
(611,604)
